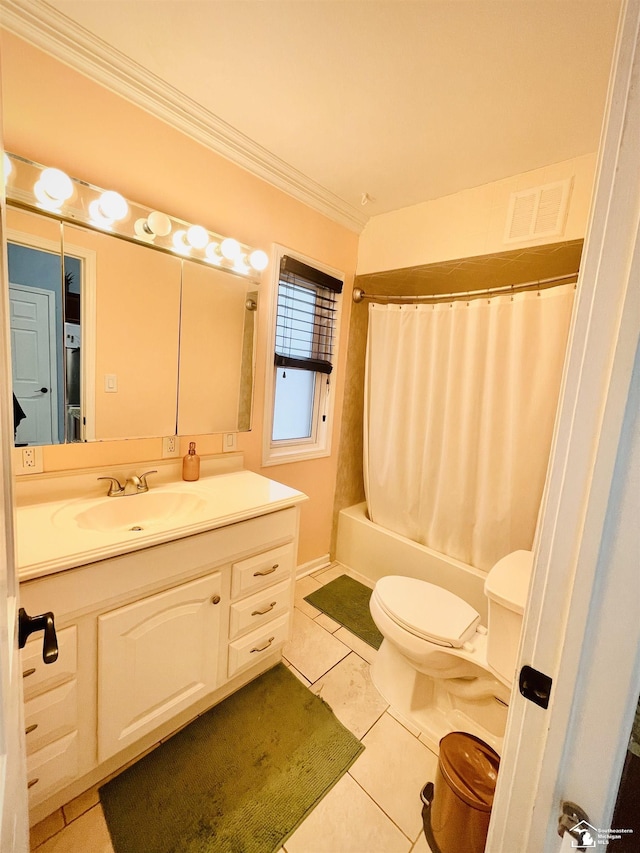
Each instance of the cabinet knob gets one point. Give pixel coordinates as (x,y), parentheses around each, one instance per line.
(33,782)
(215,599)
(31,728)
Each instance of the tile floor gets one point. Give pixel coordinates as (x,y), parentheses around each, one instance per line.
(374,808)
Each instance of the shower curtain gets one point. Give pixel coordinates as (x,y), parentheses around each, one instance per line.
(460,401)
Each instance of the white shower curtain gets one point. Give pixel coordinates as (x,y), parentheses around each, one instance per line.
(460,401)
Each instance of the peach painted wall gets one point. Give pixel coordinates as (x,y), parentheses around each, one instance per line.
(56,116)
(471,222)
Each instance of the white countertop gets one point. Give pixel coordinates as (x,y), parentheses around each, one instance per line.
(49,538)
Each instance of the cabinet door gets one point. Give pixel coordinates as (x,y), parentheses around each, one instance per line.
(156,657)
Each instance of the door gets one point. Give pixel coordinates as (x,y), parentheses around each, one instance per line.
(33,346)
(583,623)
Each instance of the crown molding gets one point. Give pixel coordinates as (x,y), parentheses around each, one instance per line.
(46,28)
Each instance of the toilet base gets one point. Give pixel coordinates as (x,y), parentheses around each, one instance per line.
(436,706)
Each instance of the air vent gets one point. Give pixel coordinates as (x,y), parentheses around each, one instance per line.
(538,212)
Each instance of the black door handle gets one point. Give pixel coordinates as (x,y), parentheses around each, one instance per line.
(29,624)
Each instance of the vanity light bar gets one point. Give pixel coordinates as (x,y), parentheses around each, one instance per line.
(52,192)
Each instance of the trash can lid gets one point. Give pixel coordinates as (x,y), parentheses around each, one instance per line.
(470,768)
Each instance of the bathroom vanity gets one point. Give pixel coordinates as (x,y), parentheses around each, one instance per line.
(162,609)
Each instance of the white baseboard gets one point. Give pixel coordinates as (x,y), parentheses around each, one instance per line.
(313,565)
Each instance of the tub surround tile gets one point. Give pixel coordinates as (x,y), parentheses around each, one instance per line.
(393,769)
(347,821)
(350,693)
(88,832)
(312,650)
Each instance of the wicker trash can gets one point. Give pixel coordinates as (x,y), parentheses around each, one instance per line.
(457,807)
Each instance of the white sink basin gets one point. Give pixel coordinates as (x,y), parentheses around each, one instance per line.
(134,512)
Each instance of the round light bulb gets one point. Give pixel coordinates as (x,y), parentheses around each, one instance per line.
(230,248)
(113,206)
(142,230)
(8,167)
(212,254)
(159,223)
(259,260)
(97,216)
(179,243)
(56,184)
(197,236)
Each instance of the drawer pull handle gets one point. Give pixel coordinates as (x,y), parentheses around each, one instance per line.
(31,728)
(266,610)
(262,648)
(28,672)
(33,782)
(266,571)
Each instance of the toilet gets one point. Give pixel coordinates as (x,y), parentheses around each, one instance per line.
(438,667)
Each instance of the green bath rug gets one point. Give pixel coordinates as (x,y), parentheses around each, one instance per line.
(239,779)
(347,601)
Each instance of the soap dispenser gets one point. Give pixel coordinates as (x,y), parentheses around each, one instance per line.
(191,464)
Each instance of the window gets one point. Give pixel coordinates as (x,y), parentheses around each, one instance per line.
(306,312)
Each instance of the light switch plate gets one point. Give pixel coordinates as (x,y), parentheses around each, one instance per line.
(229,442)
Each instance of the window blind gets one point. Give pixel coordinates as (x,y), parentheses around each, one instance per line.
(306,317)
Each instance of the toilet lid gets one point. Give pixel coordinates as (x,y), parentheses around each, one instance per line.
(426,610)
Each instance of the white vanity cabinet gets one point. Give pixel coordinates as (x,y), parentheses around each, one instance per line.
(156,657)
(148,640)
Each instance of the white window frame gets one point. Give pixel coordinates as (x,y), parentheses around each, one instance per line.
(319,444)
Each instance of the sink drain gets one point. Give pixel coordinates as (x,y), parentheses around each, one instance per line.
(136,527)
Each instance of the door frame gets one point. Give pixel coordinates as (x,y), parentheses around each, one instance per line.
(584,592)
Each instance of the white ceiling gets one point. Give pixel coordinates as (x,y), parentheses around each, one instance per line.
(406,101)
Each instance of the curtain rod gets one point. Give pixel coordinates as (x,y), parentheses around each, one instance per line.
(359,294)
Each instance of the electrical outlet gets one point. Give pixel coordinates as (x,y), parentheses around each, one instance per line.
(170,446)
(28,460)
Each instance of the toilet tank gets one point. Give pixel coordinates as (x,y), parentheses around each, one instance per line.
(507,587)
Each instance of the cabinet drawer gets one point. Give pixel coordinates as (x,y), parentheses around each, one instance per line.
(252,612)
(51,715)
(52,768)
(261,571)
(248,650)
(39,676)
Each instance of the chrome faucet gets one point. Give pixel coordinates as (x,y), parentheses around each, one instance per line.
(135,485)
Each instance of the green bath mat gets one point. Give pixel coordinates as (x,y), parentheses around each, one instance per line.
(347,601)
(239,779)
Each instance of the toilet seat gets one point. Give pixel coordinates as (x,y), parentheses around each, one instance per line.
(427,611)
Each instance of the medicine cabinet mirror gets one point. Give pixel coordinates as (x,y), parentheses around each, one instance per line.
(112,339)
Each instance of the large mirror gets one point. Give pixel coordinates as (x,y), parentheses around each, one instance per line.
(114,339)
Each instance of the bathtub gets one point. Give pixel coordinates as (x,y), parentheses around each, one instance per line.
(373,551)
